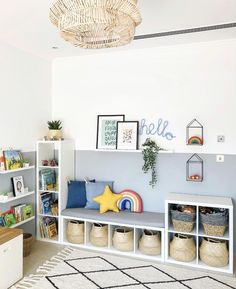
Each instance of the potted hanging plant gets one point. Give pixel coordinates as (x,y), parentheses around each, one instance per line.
(54,127)
(150,152)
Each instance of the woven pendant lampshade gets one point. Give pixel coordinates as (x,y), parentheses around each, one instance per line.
(96,23)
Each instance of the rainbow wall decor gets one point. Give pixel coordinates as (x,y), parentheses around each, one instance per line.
(195,140)
(130,201)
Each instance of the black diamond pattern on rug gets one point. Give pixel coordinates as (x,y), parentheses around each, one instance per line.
(99,273)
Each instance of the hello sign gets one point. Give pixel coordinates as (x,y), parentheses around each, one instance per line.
(159,129)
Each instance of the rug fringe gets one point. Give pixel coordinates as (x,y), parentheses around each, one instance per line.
(42,271)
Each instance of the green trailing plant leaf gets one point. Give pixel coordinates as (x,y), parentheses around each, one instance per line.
(150,153)
(54,124)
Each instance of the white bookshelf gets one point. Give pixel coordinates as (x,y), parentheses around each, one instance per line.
(198,233)
(63,153)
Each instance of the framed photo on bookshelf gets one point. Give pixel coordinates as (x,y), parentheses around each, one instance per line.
(18,185)
(106,131)
(127,135)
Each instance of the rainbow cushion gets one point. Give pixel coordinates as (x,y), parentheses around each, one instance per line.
(195,140)
(130,201)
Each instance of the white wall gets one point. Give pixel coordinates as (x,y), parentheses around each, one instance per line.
(176,83)
(25,98)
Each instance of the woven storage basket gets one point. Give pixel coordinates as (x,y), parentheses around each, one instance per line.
(214,252)
(182,248)
(150,243)
(215,224)
(183,222)
(123,239)
(75,232)
(27,244)
(99,235)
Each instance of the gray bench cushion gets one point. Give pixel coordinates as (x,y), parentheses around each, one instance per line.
(144,219)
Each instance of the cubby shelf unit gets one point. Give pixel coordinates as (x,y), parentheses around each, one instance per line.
(198,233)
(110,249)
(63,152)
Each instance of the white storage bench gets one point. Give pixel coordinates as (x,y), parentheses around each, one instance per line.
(137,221)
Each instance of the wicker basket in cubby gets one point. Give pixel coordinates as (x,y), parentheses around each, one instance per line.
(183,222)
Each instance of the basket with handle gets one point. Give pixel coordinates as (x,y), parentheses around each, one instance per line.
(214,252)
(99,235)
(183,248)
(150,243)
(75,232)
(123,239)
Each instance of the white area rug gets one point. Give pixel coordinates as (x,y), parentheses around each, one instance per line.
(74,269)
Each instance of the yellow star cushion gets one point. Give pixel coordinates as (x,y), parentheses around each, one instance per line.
(108,201)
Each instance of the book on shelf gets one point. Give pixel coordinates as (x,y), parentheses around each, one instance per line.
(47,179)
(48,227)
(49,204)
(16,214)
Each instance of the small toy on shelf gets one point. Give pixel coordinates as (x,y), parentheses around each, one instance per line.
(194,169)
(195,140)
(194,133)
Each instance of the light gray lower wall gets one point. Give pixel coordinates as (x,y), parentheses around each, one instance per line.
(29,181)
(126,170)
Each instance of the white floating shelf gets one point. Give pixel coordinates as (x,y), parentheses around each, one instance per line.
(17,170)
(17,198)
(124,151)
(23,222)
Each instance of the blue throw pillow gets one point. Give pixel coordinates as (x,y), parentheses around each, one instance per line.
(93,190)
(76,194)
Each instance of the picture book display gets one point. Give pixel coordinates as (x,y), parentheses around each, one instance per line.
(13,159)
(16,214)
(18,186)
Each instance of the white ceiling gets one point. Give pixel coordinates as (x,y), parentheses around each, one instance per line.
(25,24)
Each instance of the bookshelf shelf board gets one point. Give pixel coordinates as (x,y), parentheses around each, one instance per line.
(47,215)
(46,191)
(23,222)
(17,198)
(17,170)
(52,240)
(48,167)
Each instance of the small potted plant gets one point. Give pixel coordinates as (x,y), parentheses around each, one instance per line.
(26,163)
(54,127)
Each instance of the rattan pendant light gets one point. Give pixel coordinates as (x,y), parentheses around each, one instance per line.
(96,23)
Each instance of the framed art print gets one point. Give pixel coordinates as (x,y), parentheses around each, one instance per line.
(18,186)
(106,131)
(127,135)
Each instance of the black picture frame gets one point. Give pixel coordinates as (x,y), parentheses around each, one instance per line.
(117,117)
(136,143)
